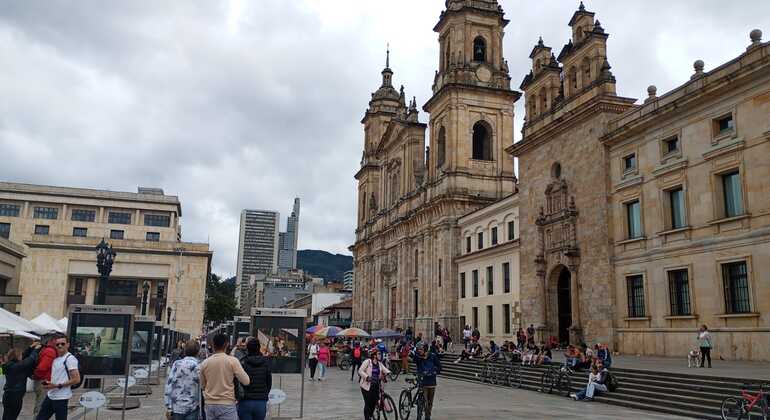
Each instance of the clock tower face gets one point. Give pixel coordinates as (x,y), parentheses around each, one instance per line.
(483,74)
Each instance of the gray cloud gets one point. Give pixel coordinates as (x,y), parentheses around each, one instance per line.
(246,104)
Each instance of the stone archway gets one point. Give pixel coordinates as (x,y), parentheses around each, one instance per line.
(560,303)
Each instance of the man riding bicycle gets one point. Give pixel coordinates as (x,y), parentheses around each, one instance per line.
(428,366)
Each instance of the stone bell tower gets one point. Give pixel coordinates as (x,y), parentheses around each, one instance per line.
(471,111)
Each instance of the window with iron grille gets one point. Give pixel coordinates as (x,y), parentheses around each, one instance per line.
(5,230)
(153,236)
(157,220)
(635,296)
(475,280)
(468,245)
(41,229)
(83,215)
(490,281)
(511,231)
(480,240)
(506,318)
(116,234)
(494,236)
(10,210)
(506,278)
(120,218)
(736,288)
(679,292)
(462,285)
(80,232)
(475,316)
(46,213)
(490,320)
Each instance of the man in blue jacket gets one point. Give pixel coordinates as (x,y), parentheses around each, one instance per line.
(428,366)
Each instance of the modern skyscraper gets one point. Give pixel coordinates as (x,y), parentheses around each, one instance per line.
(287,255)
(257,252)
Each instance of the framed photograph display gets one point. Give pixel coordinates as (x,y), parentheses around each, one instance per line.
(281,335)
(100,337)
(142,340)
(156,338)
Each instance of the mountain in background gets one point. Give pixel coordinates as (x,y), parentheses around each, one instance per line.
(331,267)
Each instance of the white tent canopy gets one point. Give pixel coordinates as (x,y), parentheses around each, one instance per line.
(63,323)
(48,322)
(11,323)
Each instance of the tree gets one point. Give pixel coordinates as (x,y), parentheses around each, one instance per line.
(220,300)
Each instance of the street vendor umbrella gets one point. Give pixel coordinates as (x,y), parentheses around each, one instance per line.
(353,332)
(327,332)
(386,333)
(313,329)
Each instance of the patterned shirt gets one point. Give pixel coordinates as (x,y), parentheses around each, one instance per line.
(183,386)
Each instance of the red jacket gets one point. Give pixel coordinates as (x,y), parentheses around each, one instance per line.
(44,364)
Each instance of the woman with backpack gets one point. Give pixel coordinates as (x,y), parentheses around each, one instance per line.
(253,403)
(357,355)
(17,368)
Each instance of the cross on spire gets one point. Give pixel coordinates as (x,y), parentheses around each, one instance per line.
(387,55)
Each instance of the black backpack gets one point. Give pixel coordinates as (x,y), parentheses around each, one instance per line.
(77,385)
(612,382)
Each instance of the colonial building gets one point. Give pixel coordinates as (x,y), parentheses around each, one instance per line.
(11,255)
(58,228)
(641,222)
(410,199)
(489,270)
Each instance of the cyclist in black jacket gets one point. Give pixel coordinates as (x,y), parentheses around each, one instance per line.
(253,404)
(17,368)
(428,366)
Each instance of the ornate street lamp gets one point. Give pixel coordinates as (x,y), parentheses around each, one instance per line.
(145,296)
(105,256)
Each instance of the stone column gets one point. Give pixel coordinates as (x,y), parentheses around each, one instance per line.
(576,330)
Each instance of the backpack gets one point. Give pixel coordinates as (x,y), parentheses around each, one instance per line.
(77,385)
(357,352)
(612,382)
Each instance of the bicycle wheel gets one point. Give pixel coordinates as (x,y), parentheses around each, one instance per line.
(733,409)
(565,384)
(420,405)
(547,381)
(388,409)
(394,372)
(405,404)
(344,364)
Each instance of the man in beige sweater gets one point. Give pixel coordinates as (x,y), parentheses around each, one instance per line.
(218,373)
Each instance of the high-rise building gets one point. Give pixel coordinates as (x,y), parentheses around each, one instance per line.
(257,252)
(287,254)
(347,281)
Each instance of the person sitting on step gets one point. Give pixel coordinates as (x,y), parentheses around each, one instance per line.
(597,382)
(473,351)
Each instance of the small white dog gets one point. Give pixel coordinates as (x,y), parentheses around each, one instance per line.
(693,358)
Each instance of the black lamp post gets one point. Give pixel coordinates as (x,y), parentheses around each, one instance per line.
(105,256)
(145,296)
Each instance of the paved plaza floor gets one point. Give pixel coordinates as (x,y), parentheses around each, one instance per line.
(339,398)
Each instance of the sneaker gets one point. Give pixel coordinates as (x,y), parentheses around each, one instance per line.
(457,361)
(588,399)
(573,396)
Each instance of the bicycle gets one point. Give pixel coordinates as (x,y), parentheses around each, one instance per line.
(386,407)
(512,371)
(412,397)
(345,361)
(395,369)
(744,406)
(557,378)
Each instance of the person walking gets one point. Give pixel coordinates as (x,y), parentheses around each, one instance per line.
(182,393)
(357,356)
(372,373)
(428,366)
(324,355)
(42,371)
(253,405)
(177,353)
(239,352)
(705,344)
(218,375)
(64,374)
(312,358)
(17,368)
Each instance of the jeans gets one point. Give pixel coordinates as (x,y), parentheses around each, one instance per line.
(429,392)
(312,363)
(221,412)
(12,401)
(40,395)
(53,407)
(322,368)
(354,367)
(252,410)
(192,415)
(591,390)
(705,353)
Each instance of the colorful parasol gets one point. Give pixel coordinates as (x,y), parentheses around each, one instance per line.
(314,328)
(353,332)
(327,332)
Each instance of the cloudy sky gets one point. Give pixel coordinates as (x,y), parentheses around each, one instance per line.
(247,104)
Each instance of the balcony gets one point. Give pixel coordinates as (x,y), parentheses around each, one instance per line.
(123,300)
(76,299)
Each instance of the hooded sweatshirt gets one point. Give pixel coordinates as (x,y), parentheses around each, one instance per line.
(261,379)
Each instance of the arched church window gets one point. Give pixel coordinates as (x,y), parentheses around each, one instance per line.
(586,71)
(543,100)
(573,78)
(441,144)
(482,142)
(537,65)
(579,34)
(479,49)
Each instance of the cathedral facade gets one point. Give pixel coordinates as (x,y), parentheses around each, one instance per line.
(410,196)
